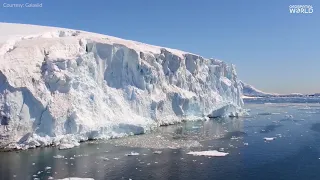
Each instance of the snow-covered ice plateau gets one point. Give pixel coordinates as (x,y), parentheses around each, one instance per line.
(61,86)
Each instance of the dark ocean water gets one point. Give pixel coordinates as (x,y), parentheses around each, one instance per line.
(294,154)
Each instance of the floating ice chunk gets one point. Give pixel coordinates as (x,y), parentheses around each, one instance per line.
(269,138)
(133,154)
(66,146)
(157,152)
(246,144)
(288,116)
(58,157)
(207,153)
(76,178)
(50,177)
(47,168)
(33,164)
(221,149)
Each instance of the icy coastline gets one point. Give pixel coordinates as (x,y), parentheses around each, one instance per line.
(59,87)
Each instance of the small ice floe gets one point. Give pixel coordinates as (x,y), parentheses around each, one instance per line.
(157,152)
(133,154)
(245,144)
(105,159)
(66,146)
(235,138)
(76,178)
(221,149)
(288,116)
(50,177)
(58,157)
(148,164)
(116,158)
(156,162)
(47,168)
(269,138)
(208,153)
(33,164)
(71,158)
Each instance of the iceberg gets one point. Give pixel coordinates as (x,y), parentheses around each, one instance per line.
(60,86)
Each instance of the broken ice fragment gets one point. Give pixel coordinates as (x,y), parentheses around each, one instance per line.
(133,154)
(157,152)
(207,153)
(269,138)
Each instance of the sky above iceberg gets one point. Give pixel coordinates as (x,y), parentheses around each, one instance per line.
(273,50)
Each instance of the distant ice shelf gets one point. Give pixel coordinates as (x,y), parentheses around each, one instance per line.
(60,86)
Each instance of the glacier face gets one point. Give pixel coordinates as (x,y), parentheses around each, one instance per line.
(250,91)
(60,86)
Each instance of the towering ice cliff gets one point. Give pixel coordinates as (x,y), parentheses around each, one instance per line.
(60,86)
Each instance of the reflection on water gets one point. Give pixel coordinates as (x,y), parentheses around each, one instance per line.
(185,135)
(293,155)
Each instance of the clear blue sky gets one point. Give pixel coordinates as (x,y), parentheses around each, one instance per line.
(273,50)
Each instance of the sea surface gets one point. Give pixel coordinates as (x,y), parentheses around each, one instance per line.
(293,123)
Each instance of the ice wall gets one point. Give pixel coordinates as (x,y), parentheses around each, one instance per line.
(63,86)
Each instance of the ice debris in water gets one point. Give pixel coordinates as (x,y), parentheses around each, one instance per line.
(288,116)
(58,157)
(269,138)
(157,152)
(47,168)
(207,153)
(133,154)
(76,178)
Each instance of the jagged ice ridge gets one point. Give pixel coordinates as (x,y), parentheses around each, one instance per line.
(61,86)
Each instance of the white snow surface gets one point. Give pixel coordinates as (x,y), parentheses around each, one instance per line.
(61,86)
(208,153)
